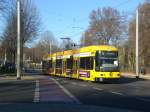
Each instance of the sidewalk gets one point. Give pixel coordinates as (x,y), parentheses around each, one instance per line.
(133,75)
(13,78)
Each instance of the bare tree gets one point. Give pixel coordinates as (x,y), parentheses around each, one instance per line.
(87,38)
(30,25)
(48,41)
(144,29)
(3,5)
(106,26)
(37,52)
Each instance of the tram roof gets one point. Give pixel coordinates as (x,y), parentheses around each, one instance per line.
(68,52)
(81,50)
(98,47)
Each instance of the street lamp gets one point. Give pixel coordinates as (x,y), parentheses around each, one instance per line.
(50,47)
(81,28)
(66,38)
(18,40)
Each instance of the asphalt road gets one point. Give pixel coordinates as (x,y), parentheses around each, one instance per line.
(127,93)
(44,93)
(16,91)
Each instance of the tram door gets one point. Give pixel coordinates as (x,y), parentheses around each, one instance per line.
(64,68)
(75,68)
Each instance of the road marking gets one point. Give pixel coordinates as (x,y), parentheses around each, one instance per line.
(65,81)
(143,99)
(99,89)
(83,85)
(37,92)
(74,83)
(116,93)
(67,92)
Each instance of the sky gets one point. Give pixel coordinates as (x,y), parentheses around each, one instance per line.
(70,18)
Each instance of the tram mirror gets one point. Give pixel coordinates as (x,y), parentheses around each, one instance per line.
(116,62)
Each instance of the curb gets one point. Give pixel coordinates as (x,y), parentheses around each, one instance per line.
(146,77)
(14,78)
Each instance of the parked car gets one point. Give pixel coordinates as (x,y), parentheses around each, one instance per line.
(8,67)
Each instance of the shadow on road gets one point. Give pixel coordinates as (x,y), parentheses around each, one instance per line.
(32,71)
(52,107)
(123,80)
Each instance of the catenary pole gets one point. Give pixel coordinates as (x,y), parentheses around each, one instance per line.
(137,43)
(18,40)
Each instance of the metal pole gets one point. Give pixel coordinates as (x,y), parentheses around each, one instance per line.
(68,40)
(137,43)
(50,47)
(5,59)
(83,41)
(18,40)
(69,45)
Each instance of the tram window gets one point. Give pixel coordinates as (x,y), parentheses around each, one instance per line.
(89,63)
(53,64)
(50,64)
(59,63)
(82,63)
(44,65)
(86,63)
(69,63)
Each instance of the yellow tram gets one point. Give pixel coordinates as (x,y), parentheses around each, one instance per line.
(92,63)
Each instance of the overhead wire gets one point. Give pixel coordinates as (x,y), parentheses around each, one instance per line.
(84,19)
